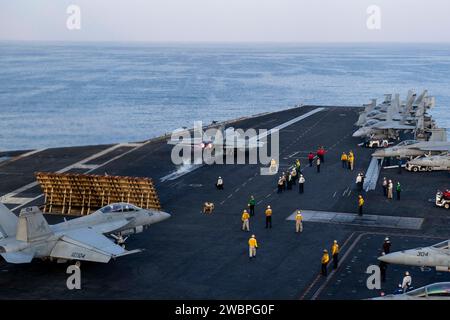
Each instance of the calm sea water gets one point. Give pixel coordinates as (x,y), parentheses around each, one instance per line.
(64,94)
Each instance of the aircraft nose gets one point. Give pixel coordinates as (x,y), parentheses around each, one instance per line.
(378,154)
(393,258)
(164,216)
(356,134)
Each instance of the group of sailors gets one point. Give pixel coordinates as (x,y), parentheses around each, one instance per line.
(326,258)
(348,160)
(288,179)
(388,188)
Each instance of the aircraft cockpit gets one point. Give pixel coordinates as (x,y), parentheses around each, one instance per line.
(119,207)
(406,143)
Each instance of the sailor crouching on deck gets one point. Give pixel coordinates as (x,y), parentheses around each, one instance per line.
(219,184)
(252,245)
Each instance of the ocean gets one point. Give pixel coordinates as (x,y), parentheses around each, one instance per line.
(68,94)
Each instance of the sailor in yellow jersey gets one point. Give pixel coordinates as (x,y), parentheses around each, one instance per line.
(335,253)
(324,261)
(360,205)
(298,222)
(344,159)
(268,217)
(245,221)
(252,245)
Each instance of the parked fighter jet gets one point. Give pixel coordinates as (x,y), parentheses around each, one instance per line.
(29,236)
(411,148)
(435,291)
(437,256)
(429,163)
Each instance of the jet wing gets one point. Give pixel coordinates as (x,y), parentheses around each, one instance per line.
(17,257)
(109,227)
(436,148)
(87,245)
(394,126)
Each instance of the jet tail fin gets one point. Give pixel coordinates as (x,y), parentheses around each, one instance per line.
(8,222)
(32,225)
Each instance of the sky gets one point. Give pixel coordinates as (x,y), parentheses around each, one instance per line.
(227,20)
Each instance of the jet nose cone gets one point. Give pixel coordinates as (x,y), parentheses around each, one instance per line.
(378,154)
(164,215)
(356,134)
(394,258)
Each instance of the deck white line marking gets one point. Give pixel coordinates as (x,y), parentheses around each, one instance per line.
(334,195)
(288,123)
(345,191)
(268,195)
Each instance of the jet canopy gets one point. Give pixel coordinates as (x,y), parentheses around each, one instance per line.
(406,143)
(119,207)
(442,245)
(440,289)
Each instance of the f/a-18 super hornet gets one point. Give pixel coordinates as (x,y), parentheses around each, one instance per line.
(412,148)
(429,163)
(436,256)
(216,137)
(29,236)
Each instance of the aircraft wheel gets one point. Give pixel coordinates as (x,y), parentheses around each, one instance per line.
(385,144)
(415,169)
(447,206)
(429,169)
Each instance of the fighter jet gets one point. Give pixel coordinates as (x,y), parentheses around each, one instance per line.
(435,291)
(429,163)
(29,236)
(436,256)
(229,139)
(412,148)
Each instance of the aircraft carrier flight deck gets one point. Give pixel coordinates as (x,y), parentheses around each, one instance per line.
(205,256)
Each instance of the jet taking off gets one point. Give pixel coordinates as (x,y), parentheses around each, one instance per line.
(29,236)
(227,139)
(437,256)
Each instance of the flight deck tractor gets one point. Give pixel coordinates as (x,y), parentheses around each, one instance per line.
(443,199)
